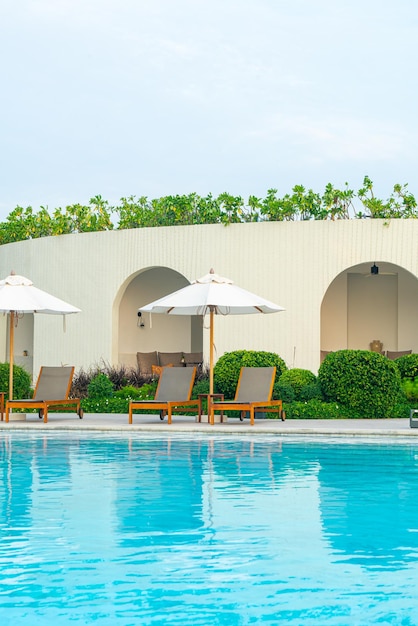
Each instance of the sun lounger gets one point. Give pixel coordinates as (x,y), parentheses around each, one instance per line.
(253,393)
(173,393)
(52,390)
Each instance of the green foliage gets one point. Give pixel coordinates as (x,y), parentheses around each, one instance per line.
(283,392)
(119,401)
(119,375)
(201,386)
(400,204)
(185,210)
(21,381)
(410,388)
(311,392)
(364,381)
(181,210)
(105,405)
(336,203)
(297,379)
(407,366)
(301,204)
(228,367)
(309,406)
(100,387)
(25,223)
(297,385)
(316,409)
(401,409)
(146,392)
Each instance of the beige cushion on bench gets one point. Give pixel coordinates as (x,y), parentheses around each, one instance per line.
(145,362)
(170,358)
(396,354)
(193,358)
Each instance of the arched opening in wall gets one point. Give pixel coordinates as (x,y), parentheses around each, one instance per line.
(371,302)
(145,333)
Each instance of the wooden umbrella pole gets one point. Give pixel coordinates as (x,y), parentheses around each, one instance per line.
(211,352)
(11,352)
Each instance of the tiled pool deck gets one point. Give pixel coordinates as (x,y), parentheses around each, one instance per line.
(151,423)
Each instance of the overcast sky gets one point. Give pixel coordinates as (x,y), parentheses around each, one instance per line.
(158,97)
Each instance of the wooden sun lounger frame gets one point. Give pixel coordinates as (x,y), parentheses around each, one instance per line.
(165,407)
(65,404)
(251,407)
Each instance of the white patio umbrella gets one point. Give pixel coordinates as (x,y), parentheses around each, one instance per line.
(17,296)
(213,295)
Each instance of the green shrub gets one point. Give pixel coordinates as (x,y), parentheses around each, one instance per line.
(105,405)
(407,366)
(410,388)
(227,368)
(100,387)
(119,375)
(311,392)
(21,381)
(366,382)
(402,408)
(119,401)
(146,392)
(201,386)
(283,392)
(297,379)
(315,409)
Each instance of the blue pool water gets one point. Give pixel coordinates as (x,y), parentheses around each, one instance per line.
(136,530)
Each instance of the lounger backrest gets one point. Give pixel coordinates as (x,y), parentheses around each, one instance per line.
(54,383)
(255,384)
(175,384)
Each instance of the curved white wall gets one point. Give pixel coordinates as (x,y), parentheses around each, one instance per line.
(290,263)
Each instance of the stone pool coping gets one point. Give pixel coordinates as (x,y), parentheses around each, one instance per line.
(184,424)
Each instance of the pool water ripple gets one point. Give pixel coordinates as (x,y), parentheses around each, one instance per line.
(121,531)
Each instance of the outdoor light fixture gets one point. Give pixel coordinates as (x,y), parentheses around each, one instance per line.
(140,322)
(374,269)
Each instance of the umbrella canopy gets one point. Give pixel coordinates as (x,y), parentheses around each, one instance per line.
(214,295)
(18,295)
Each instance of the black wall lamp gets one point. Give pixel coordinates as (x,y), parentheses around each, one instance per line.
(140,322)
(374,269)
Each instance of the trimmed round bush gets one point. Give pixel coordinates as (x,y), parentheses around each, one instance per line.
(21,381)
(410,388)
(297,379)
(407,366)
(228,367)
(283,392)
(311,392)
(365,381)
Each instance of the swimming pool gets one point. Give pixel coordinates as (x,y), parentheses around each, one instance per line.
(137,530)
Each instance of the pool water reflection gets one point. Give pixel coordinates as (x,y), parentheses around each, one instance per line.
(137,530)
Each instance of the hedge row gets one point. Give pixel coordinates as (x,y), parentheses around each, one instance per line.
(350,383)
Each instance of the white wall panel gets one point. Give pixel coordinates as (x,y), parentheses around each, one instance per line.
(290,263)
